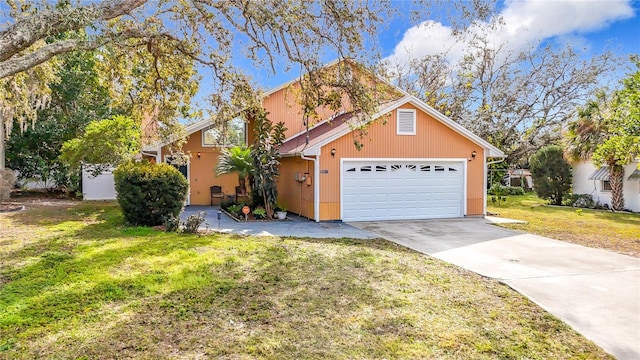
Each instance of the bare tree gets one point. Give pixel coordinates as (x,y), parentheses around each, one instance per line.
(517,99)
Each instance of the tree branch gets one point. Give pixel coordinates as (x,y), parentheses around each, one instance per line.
(27,31)
(15,65)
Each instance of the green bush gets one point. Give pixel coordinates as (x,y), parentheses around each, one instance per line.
(551,174)
(172,224)
(583,201)
(497,189)
(150,193)
(260,213)
(193,222)
(235,209)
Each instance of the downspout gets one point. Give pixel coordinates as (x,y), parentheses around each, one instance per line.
(486,170)
(316,185)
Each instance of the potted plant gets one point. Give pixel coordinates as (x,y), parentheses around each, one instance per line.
(281,211)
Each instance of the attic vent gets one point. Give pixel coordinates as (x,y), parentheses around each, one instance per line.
(406,122)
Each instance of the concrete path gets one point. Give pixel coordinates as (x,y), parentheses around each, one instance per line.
(293,226)
(597,292)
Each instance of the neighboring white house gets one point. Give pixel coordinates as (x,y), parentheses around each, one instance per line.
(587,179)
(101,187)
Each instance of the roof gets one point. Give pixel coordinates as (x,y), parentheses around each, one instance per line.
(190,129)
(338,126)
(519,172)
(600,174)
(329,64)
(634,175)
(323,135)
(205,123)
(298,143)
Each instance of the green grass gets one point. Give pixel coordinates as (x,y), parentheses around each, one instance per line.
(618,232)
(76,283)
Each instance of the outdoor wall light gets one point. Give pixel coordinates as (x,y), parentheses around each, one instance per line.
(473,154)
(199,154)
(333,152)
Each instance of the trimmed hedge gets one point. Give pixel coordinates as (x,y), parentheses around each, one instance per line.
(150,193)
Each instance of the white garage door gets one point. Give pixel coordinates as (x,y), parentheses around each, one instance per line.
(393,190)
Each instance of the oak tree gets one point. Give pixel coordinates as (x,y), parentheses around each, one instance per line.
(151,50)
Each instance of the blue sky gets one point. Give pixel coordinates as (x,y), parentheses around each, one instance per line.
(591,26)
(588,25)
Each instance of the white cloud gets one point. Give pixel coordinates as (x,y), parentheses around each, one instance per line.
(525,22)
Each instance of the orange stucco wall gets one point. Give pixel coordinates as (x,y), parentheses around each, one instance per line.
(283,105)
(297,196)
(432,140)
(201,171)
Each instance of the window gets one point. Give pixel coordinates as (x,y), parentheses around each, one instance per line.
(366,168)
(234,133)
(606,185)
(406,122)
(380,168)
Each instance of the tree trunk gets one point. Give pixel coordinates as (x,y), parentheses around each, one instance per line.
(616,178)
(2,144)
(243,185)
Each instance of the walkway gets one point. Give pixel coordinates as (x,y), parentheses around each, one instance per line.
(293,226)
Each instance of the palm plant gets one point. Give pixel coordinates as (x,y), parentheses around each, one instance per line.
(237,159)
(598,135)
(585,134)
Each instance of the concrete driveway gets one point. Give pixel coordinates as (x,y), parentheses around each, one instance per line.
(597,292)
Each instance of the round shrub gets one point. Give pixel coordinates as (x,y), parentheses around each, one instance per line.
(551,174)
(150,193)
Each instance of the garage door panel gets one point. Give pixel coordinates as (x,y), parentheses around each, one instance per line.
(402,190)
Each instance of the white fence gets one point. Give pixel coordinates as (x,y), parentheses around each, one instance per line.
(101,187)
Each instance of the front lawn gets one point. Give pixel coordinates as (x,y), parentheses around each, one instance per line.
(619,232)
(76,283)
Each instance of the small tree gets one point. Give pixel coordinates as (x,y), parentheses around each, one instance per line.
(105,143)
(551,174)
(150,193)
(237,160)
(268,138)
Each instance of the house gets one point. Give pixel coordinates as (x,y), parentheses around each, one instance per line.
(587,179)
(519,177)
(415,163)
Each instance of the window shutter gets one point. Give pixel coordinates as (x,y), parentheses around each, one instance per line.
(406,122)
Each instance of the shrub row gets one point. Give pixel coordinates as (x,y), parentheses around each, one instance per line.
(497,189)
(583,201)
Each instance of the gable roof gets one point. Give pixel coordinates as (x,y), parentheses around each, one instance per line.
(330,64)
(344,124)
(297,143)
(340,125)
